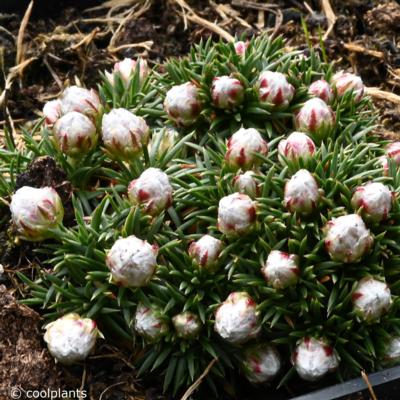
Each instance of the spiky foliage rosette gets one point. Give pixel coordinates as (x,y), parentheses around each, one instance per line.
(169,320)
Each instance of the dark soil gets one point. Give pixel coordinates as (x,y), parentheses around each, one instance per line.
(65,41)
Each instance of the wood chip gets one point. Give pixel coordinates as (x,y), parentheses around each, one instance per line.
(379,94)
(356,48)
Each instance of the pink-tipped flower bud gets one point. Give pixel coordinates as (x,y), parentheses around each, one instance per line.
(371,299)
(151,190)
(392,353)
(236,214)
(301,193)
(150,323)
(375,200)
(236,319)
(35,212)
(316,117)
(243,147)
(322,90)
(226,92)
(393,153)
(52,111)
(281,269)
(314,358)
(347,239)
(275,89)
(75,134)
(125,70)
(182,104)
(246,184)
(124,133)
(296,146)
(241,47)
(71,338)
(261,363)
(132,261)
(81,100)
(187,325)
(344,82)
(205,252)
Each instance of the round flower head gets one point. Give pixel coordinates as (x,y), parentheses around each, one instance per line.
(393,153)
(316,117)
(236,319)
(275,89)
(347,239)
(344,82)
(371,299)
(241,47)
(52,111)
(242,148)
(227,93)
(301,193)
(236,214)
(246,184)
(35,212)
(125,70)
(260,363)
(132,261)
(205,252)
(75,134)
(296,146)
(314,358)
(124,133)
(81,100)
(71,338)
(375,199)
(150,324)
(182,104)
(152,190)
(281,269)
(187,325)
(322,90)
(392,353)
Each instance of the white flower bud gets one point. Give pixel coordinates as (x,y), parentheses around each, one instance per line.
(52,111)
(314,358)
(125,70)
(242,148)
(81,100)
(371,299)
(187,325)
(375,199)
(205,252)
(36,211)
(347,239)
(182,104)
(322,90)
(124,133)
(345,82)
(281,269)
(241,47)
(150,323)
(236,319)
(246,184)
(71,338)
(392,152)
(301,193)
(296,146)
(275,89)
(227,93)
(75,134)
(152,190)
(316,117)
(261,363)
(392,353)
(236,214)
(132,261)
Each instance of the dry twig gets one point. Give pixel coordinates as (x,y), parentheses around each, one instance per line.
(330,16)
(360,49)
(369,386)
(379,94)
(20,39)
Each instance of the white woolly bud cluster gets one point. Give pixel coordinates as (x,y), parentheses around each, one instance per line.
(150,324)
(322,90)
(392,353)
(81,100)
(275,89)
(241,47)
(187,325)
(52,111)
(125,70)
(226,92)
(344,82)
(393,153)
(205,252)
(246,184)
(296,146)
